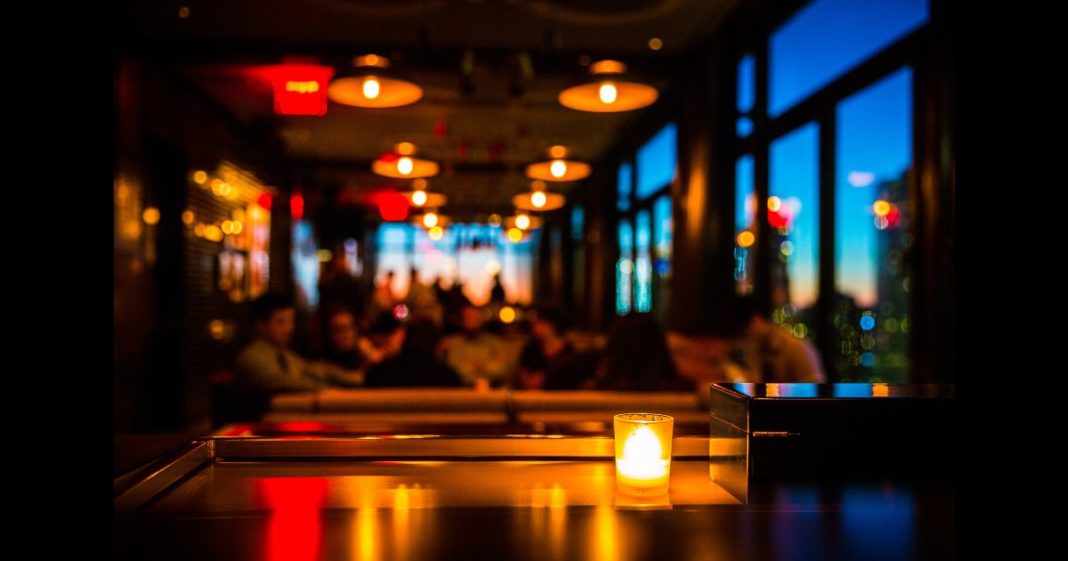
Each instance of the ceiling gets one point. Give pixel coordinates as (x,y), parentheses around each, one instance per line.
(483,135)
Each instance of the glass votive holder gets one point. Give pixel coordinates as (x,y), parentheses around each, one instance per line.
(643,453)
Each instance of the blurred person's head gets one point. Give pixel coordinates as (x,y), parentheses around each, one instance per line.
(470,318)
(422,337)
(636,356)
(387,332)
(748,318)
(274,318)
(546,323)
(342,327)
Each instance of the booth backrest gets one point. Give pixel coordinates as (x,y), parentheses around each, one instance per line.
(463,406)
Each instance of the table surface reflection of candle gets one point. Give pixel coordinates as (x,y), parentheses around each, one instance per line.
(642,466)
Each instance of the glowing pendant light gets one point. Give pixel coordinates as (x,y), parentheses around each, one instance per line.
(371,83)
(419,197)
(558,168)
(538,199)
(606,92)
(401,163)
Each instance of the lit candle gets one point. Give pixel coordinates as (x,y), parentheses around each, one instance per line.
(643,453)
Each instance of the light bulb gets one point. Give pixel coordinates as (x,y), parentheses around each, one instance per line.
(371,87)
(436,233)
(522,222)
(515,235)
(538,199)
(558,168)
(405,165)
(430,219)
(607,93)
(419,198)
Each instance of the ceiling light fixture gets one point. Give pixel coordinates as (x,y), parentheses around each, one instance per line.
(538,199)
(558,168)
(371,83)
(401,163)
(419,197)
(606,92)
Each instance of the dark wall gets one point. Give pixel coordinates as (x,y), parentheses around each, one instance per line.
(165,297)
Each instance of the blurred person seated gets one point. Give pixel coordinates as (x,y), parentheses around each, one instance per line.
(475,354)
(765,352)
(268,365)
(338,288)
(422,300)
(382,298)
(386,335)
(415,365)
(545,348)
(346,348)
(636,358)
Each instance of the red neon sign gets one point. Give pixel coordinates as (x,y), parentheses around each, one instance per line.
(300,89)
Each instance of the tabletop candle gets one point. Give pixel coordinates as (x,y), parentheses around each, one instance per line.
(643,453)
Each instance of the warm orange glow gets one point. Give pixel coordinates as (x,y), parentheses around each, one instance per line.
(881,208)
(746,239)
(515,235)
(608,67)
(369,60)
(494,220)
(151,216)
(537,185)
(419,198)
(880,390)
(217,328)
(436,233)
(643,452)
(237,226)
(607,92)
(774,204)
(419,183)
(217,186)
(227,227)
(200,177)
(302,86)
(522,221)
(213,233)
(184,12)
(188,217)
(507,314)
(538,199)
(656,43)
(405,165)
(557,151)
(558,168)
(629,96)
(773,390)
(430,219)
(371,87)
(198,230)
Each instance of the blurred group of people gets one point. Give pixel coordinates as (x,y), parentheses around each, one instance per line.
(436,337)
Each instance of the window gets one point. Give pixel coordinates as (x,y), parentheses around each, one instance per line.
(624,267)
(793,214)
(643,294)
(656,162)
(745,204)
(645,250)
(746,94)
(623,187)
(828,38)
(874,142)
(468,253)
